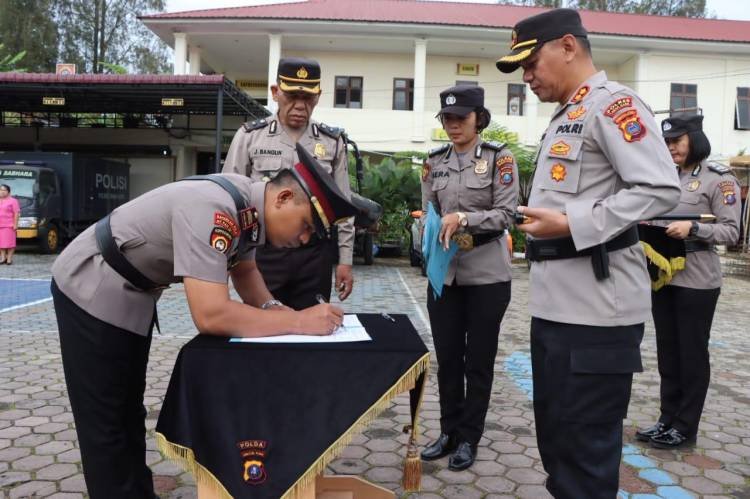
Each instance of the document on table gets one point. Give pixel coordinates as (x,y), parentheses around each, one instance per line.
(351,330)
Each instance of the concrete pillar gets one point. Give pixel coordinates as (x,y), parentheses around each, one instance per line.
(420,68)
(180,53)
(640,75)
(274,54)
(195,60)
(531,115)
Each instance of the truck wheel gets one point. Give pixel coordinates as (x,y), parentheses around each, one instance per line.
(367,249)
(49,239)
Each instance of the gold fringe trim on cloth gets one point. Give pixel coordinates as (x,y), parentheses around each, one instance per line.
(184,457)
(411,481)
(667,267)
(406,382)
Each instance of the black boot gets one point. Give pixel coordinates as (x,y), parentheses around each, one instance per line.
(645,435)
(443,446)
(463,457)
(671,439)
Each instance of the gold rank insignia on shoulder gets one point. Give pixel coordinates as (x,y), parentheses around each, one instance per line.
(320,150)
(463,240)
(480,168)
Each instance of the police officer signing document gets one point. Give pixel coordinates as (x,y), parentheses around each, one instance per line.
(601,167)
(198,231)
(262,149)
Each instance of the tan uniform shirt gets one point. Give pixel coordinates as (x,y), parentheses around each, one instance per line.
(168,233)
(263,151)
(707,191)
(603,162)
(484,185)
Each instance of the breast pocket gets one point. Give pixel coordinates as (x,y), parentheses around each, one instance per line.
(560,165)
(326,161)
(690,198)
(266,168)
(439,183)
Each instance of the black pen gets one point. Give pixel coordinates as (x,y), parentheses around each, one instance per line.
(388,317)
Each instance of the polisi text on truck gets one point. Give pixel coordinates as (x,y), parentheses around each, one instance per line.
(116,182)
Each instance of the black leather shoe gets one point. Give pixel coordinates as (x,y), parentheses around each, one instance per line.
(645,435)
(441,447)
(671,439)
(463,457)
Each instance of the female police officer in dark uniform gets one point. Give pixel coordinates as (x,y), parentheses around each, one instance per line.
(473,185)
(684,309)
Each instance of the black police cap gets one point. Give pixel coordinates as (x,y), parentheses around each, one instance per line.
(329,205)
(676,126)
(296,74)
(461,100)
(530,34)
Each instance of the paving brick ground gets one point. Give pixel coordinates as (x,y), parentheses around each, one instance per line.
(39,455)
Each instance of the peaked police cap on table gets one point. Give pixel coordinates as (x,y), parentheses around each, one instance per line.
(296,74)
(530,34)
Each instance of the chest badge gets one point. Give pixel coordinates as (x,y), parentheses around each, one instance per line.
(560,148)
(480,167)
(576,113)
(558,172)
(320,150)
(693,186)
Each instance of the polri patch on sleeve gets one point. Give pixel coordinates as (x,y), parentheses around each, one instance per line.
(727,190)
(226,222)
(506,174)
(617,106)
(503,160)
(425,171)
(630,125)
(221,239)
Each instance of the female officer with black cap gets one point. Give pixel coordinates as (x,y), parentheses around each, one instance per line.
(683,310)
(472,185)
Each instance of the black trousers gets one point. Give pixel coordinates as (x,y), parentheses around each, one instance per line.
(582,378)
(683,317)
(105,373)
(295,276)
(465,324)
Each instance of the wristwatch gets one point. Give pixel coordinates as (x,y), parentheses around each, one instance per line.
(463,220)
(693,228)
(271,303)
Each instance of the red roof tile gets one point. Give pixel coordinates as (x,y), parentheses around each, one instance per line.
(476,15)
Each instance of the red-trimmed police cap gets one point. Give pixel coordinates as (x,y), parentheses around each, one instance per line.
(329,205)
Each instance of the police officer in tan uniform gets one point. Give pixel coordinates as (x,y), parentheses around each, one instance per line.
(107,281)
(261,149)
(684,309)
(473,185)
(601,167)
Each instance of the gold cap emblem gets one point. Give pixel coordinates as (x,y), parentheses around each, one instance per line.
(302,73)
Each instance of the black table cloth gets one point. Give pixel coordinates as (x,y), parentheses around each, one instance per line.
(262,420)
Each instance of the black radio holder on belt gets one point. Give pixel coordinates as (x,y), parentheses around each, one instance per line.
(562,248)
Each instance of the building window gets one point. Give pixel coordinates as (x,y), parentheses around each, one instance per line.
(468,83)
(403,94)
(348,92)
(742,110)
(683,98)
(516,98)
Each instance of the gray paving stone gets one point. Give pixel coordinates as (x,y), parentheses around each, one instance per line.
(35,488)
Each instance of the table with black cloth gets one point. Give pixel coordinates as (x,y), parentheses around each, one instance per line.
(262,420)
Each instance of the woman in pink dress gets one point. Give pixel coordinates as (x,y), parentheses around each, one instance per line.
(9,213)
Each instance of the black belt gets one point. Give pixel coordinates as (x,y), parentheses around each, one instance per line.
(693,245)
(115,259)
(485,237)
(538,250)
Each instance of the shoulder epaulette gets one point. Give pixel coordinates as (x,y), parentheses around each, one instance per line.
(438,150)
(249,126)
(332,132)
(719,168)
(495,146)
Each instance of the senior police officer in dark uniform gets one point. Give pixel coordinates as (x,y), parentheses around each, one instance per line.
(473,185)
(261,149)
(683,310)
(107,281)
(601,167)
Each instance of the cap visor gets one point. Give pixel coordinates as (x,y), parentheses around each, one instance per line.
(457,110)
(315,89)
(672,134)
(509,63)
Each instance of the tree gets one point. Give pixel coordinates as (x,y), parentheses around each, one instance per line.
(8,62)
(681,8)
(29,26)
(93,32)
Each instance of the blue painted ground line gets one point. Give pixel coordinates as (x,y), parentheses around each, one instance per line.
(518,366)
